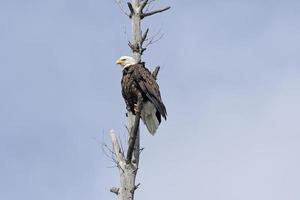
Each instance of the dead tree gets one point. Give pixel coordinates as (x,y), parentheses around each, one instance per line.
(128,165)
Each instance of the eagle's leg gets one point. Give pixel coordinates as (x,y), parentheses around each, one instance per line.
(138,106)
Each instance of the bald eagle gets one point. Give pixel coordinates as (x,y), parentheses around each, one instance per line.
(137,81)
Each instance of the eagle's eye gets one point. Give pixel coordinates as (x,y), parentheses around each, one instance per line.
(123,59)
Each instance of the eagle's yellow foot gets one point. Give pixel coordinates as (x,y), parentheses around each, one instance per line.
(136,108)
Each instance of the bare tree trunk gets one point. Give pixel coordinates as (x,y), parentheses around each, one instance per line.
(136,29)
(128,166)
(127,169)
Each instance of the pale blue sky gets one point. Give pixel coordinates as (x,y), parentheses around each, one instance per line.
(230,79)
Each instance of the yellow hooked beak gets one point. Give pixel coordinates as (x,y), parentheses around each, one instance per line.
(119,62)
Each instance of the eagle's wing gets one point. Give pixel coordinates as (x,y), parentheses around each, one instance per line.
(124,81)
(150,87)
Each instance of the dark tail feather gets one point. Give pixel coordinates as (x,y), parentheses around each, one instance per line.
(159,106)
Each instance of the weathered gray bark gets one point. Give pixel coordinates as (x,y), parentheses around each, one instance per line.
(127,172)
(136,29)
(128,166)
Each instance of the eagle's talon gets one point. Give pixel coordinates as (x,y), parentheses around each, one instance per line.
(135,108)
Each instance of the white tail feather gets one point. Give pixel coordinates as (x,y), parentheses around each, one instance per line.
(149,118)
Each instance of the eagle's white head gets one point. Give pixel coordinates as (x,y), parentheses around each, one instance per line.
(126,61)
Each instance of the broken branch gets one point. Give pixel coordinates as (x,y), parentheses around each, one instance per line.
(143,5)
(116,147)
(155,72)
(143,15)
(144,36)
(115,190)
(134,47)
(135,188)
(131,9)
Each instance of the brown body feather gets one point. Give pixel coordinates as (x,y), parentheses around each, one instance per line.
(138,80)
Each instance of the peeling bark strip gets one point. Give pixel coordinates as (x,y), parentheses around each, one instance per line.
(128,166)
